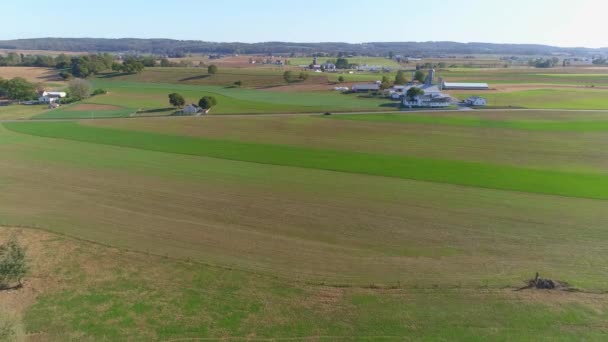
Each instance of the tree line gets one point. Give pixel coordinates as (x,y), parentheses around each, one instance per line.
(80,66)
(178,48)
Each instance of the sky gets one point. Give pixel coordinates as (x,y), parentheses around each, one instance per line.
(558,22)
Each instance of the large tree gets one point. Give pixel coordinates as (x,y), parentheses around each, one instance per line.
(413,92)
(132,65)
(207,102)
(385,83)
(419,76)
(18,89)
(212,70)
(400,79)
(176,100)
(342,63)
(79,89)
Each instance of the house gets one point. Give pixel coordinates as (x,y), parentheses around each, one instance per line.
(328,67)
(428,101)
(51,96)
(476,101)
(192,109)
(366,87)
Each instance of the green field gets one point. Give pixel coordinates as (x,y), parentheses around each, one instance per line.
(443,171)
(547,98)
(375,226)
(588,125)
(68,113)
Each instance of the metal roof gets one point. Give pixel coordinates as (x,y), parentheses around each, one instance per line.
(465,85)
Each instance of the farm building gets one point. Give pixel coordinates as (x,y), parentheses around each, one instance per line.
(329,67)
(465,86)
(192,109)
(51,96)
(476,101)
(431,100)
(366,87)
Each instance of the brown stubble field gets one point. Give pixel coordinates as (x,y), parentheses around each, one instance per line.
(32,74)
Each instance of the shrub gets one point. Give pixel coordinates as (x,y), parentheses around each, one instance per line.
(13,265)
(99,92)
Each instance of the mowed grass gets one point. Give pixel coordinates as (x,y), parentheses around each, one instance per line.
(477,121)
(445,171)
(558,76)
(235,100)
(546,98)
(68,112)
(13,112)
(110,294)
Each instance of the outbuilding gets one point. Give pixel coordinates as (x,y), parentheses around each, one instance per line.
(366,87)
(465,86)
(476,101)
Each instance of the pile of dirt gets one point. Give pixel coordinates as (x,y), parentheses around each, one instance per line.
(546,284)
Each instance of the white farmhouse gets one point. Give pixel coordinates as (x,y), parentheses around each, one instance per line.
(51,96)
(476,101)
(432,100)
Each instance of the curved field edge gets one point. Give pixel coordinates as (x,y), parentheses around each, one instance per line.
(485,175)
(471,121)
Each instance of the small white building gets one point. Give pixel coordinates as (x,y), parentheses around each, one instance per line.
(51,96)
(476,101)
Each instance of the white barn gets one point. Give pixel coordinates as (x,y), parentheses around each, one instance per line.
(366,87)
(465,86)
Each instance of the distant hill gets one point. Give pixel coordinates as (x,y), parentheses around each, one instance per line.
(169,47)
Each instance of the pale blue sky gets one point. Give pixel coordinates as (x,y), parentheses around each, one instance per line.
(557,22)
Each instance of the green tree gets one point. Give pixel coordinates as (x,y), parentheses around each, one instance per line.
(132,65)
(419,76)
(342,63)
(212,70)
(165,63)
(413,92)
(341,79)
(177,100)
(400,79)
(386,83)
(18,89)
(288,76)
(207,102)
(13,263)
(79,89)
(303,76)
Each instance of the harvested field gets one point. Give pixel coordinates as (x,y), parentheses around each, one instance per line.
(31,74)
